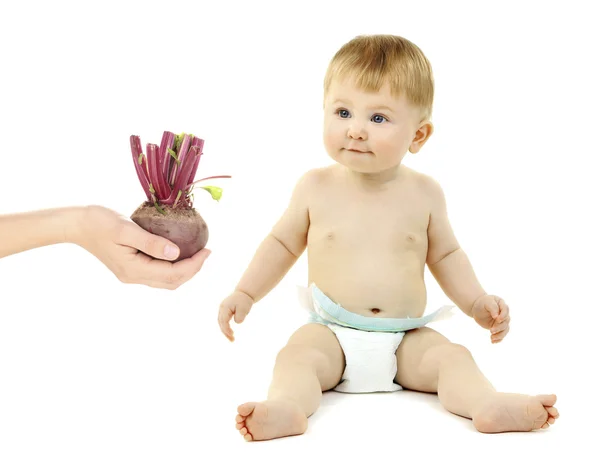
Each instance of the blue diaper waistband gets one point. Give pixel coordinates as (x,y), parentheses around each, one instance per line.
(331,312)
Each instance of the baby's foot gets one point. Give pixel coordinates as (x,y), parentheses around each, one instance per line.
(502,412)
(270,419)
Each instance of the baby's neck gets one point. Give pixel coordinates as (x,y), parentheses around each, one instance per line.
(379,180)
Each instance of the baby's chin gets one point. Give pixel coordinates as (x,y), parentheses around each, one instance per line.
(363,164)
(356,161)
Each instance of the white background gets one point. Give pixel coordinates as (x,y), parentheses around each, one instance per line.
(98,375)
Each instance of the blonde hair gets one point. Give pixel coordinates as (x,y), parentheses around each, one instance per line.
(377,59)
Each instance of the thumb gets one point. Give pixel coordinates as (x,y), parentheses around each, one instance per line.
(240,313)
(492,308)
(151,244)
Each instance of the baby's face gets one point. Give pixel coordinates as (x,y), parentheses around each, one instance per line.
(367,132)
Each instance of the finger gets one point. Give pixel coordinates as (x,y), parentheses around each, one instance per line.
(226,329)
(502,332)
(499,325)
(504,311)
(240,314)
(194,263)
(496,338)
(492,307)
(164,274)
(155,272)
(155,246)
(224,319)
(201,255)
(139,268)
(185,269)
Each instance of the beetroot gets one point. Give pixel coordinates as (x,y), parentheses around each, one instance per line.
(167,177)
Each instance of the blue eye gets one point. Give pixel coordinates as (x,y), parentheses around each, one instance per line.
(379,118)
(343,113)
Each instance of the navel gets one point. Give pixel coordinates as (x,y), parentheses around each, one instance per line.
(375,311)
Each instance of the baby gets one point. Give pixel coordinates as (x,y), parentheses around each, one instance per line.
(370,224)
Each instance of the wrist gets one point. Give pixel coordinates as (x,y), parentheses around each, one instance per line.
(245,294)
(474,303)
(72,220)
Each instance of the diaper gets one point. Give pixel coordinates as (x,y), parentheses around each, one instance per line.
(369,343)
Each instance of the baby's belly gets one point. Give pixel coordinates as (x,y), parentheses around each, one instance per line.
(373,284)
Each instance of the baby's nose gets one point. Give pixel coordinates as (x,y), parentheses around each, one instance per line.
(357,131)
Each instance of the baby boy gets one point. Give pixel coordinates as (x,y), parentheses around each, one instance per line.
(370,225)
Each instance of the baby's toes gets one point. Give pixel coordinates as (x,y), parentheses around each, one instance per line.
(240,425)
(246,408)
(553,412)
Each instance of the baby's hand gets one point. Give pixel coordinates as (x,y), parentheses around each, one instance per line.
(491,312)
(236,306)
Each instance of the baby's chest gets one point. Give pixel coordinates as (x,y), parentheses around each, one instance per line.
(352,229)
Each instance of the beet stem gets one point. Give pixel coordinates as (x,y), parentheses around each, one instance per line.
(136,152)
(156,177)
(169,181)
(208,178)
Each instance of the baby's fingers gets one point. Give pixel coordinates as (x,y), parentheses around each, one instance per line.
(500,325)
(504,311)
(225,316)
(498,336)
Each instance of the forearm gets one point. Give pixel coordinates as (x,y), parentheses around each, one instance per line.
(270,263)
(457,279)
(24,231)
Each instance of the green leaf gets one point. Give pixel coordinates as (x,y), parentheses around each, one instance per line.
(174,155)
(178,197)
(178,140)
(215,192)
(159,208)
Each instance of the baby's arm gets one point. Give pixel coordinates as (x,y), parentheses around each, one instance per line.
(446,260)
(282,247)
(24,231)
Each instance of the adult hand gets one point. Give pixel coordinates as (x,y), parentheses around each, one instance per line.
(125,248)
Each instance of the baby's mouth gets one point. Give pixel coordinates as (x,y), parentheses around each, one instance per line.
(356,150)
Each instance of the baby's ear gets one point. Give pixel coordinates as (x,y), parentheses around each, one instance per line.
(421,136)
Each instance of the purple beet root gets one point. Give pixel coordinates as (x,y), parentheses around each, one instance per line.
(183,226)
(166,173)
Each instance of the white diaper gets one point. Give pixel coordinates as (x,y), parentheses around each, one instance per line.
(369,343)
(370,360)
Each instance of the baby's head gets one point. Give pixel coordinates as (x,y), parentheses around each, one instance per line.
(377,102)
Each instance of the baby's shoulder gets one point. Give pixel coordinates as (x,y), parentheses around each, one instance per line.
(426,184)
(314,178)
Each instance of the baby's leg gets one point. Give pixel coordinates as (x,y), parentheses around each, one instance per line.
(428,362)
(311,362)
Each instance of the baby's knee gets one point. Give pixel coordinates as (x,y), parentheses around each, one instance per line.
(451,351)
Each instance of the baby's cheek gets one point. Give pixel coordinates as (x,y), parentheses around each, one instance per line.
(330,140)
(394,145)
